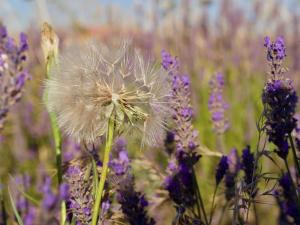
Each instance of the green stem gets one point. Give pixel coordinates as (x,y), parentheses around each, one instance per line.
(290,175)
(255,214)
(222,213)
(294,154)
(200,198)
(57,141)
(2,205)
(109,140)
(212,205)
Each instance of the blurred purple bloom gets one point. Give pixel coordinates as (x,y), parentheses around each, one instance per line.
(23,42)
(221,169)
(120,165)
(216,105)
(168,62)
(248,165)
(12,72)
(29,218)
(64,191)
(230,185)
(275,50)
(287,201)
(180,183)
(184,133)
(280,100)
(71,150)
(234,161)
(133,203)
(170,142)
(49,198)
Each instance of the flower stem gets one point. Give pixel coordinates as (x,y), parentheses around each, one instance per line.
(51,57)
(109,140)
(294,154)
(200,197)
(212,205)
(57,141)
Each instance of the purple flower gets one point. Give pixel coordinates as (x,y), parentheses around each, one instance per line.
(3,32)
(280,100)
(230,185)
(234,161)
(170,142)
(63,191)
(180,183)
(275,50)
(184,134)
(120,165)
(248,165)
(216,105)
(286,199)
(133,203)
(168,62)
(287,185)
(80,201)
(49,198)
(12,72)
(221,169)
(23,42)
(29,218)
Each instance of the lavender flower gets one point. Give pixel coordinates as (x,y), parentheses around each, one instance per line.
(229,167)
(71,150)
(170,142)
(275,50)
(185,135)
(248,165)
(3,214)
(180,183)
(120,165)
(51,200)
(279,99)
(286,199)
(221,169)
(216,104)
(230,181)
(80,199)
(24,207)
(12,73)
(30,217)
(133,203)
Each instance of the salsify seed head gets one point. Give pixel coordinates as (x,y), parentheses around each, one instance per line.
(92,84)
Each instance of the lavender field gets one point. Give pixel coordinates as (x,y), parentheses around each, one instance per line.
(155,112)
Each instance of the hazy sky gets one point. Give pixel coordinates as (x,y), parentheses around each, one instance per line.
(19,14)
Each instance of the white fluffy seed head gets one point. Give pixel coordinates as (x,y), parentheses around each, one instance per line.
(92,84)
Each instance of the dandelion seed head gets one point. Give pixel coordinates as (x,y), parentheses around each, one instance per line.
(92,84)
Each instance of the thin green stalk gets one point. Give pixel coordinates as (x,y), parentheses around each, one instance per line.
(255,214)
(212,205)
(2,205)
(294,154)
(199,197)
(51,58)
(222,213)
(109,140)
(290,175)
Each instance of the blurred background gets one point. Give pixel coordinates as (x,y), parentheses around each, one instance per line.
(208,36)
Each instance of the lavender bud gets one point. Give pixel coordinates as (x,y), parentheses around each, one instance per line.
(221,169)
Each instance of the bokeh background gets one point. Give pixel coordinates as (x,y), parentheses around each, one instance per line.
(208,36)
